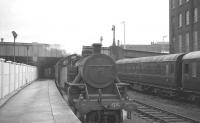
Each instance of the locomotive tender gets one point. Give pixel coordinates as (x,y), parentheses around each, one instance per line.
(176,75)
(94,91)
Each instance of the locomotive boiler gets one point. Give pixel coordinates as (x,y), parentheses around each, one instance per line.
(96,94)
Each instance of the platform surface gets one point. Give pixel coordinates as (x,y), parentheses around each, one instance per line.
(40,102)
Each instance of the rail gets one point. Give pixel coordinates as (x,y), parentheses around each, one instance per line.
(158,115)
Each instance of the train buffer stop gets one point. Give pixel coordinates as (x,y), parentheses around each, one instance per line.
(39,102)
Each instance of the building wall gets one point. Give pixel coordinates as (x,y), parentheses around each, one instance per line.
(117,52)
(159,47)
(30,49)
(179,41)
(14,76)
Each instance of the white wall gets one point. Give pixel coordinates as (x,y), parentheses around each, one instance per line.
(15,75)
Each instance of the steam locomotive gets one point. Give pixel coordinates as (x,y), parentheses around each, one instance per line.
(94,91)
(174,75)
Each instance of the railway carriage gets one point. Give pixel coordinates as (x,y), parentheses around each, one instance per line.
(191,73)
(157,73)
(174,75)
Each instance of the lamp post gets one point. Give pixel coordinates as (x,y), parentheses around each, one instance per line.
(27,47)
(101,39)
(124,23)
(15,36)
(113,29)
(165,36)
(2,39)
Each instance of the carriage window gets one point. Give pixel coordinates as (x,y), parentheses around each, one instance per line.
(151,68)
(138,68)
(186,68)
(167,69)
(194,69)
(163,68)
(171,69)
(198,69)
(128,68)
(118,67)
(133,68)
(158,69)
(142,67)
(122,68)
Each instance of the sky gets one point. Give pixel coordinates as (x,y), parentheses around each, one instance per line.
(74,23)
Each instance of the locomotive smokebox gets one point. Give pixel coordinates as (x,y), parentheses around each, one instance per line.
(96,48)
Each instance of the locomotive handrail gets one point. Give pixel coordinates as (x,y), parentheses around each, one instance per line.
(117,90)
(79,85)
(122,84)
(74,84)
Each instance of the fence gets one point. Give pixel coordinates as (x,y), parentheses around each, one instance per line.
(15,75)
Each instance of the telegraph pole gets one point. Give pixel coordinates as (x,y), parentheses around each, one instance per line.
(123,22)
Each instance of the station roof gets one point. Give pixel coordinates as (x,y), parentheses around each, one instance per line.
(192,55)
(161,58)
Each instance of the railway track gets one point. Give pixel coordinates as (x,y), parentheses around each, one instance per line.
(157,115)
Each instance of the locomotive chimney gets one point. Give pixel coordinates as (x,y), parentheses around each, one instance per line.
(96,48)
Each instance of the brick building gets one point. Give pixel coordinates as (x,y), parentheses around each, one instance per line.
(184,25)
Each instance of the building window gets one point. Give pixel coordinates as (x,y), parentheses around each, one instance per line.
(173,4)
(180,2)
(180,43)
(180,20)
(187,18)
(187,42)
(195,15)
(195,38)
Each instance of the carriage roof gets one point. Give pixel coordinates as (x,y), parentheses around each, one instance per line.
(161,58)
(192,55)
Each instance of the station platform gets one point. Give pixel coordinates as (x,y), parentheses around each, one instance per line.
(40,102)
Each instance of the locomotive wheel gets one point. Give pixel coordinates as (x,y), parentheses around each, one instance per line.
(83,119)
(93,117)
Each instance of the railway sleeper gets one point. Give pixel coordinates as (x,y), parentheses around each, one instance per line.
(161,117)
(194,98)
